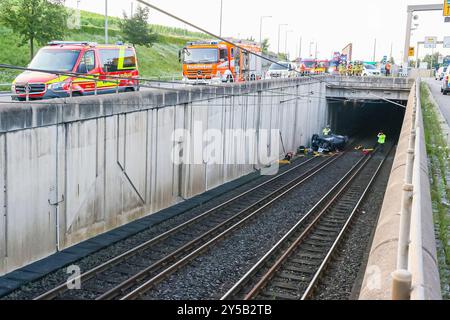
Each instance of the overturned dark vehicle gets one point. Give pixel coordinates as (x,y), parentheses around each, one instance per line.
(328,143)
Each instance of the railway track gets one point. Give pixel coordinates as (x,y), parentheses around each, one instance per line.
(122,277)
(292,269)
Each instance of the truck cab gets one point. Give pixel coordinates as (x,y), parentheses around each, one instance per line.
(307,66)
(207,62)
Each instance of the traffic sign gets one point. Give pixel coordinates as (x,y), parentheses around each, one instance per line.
(446,8)
(412,51)
(446,42)
(430,42)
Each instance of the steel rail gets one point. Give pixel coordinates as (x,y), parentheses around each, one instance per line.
(335,193)
(313,284)
(55,292)
(145,287)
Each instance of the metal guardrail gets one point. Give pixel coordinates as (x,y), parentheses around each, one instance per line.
(408,279)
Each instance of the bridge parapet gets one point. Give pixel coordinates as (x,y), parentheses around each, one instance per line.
(369,88)
(403,261)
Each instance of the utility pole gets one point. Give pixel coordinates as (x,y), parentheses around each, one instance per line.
(132,9)
(106,21)
(221,16)
(315,54)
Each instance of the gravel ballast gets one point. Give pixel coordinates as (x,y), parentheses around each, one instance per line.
(54,279)
(343,279)
(212,274)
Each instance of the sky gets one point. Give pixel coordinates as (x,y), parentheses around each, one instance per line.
(329,23)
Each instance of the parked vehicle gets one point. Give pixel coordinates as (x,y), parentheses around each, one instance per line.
(370,71)
(83,61)
(282,69)
(445,87)
(321,67)
(206,62)
(329,143)
(307,66)
(439,74)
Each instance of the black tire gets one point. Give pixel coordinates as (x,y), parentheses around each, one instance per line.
(444,92)
(129,89)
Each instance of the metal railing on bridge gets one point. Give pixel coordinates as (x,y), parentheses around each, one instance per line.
(409,278)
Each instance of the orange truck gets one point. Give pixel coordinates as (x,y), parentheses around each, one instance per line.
(322,67)
(208,62)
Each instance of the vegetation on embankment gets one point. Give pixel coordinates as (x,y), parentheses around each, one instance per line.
(161,60)
(439,164)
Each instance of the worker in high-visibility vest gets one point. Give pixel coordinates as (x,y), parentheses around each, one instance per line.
(326,131)
(359,69)
(350,69)
(381,141)
(342,69)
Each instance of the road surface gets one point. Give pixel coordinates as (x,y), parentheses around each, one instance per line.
(443,101)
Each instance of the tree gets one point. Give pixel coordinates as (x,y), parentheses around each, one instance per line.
(35,20)
(265,46)
(432,60)
(136,30)
(282,56)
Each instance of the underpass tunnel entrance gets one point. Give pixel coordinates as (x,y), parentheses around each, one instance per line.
(365,117)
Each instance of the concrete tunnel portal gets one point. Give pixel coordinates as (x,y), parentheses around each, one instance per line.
(369,117)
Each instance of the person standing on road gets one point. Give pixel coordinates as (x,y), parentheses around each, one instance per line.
(388,69)
(381,141)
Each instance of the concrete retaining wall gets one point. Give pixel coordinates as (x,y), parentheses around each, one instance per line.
(72,169)
(382,262)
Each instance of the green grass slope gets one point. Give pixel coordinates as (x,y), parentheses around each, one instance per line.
(160,60)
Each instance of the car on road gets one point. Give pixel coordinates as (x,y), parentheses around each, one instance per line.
(445,86)
(282,69)
(439,74)
(370,71)
(63,69)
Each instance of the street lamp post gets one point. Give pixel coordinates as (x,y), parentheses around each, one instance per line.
(106,21)
(409,21)
(286,42)
(375,50)
(260,27)
(221,16)
(310,48)
(279,31)
(300,49)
